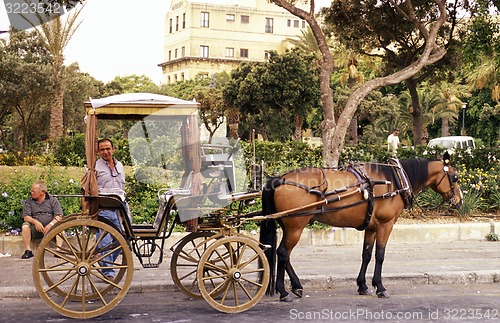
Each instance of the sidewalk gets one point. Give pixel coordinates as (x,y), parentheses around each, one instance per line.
(327,264)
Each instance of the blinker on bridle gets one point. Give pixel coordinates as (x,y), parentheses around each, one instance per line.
(452,178)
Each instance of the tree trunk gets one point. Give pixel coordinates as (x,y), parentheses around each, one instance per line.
(445,127)
(298,128)
(415,112)
(57,109)
(233,119)
(353,131)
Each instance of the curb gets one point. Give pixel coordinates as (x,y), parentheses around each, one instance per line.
(312,282)
(341,236)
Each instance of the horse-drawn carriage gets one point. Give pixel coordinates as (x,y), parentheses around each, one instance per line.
(203,189)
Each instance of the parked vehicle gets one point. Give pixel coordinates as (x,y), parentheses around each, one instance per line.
(451,143)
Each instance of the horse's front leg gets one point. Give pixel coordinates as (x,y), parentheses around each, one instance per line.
(368,243)
(377,275)
(383,234)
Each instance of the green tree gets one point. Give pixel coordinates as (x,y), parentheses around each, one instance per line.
(130,84)
(328,125)
(26,88)
(291,84)
(411,37)
(351,16)
(212,105)
(57,34)
(79,88)
(274,94)
(481,48)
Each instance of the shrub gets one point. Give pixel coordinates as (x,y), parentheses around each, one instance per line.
(15,189)
(70,151)
(492,237)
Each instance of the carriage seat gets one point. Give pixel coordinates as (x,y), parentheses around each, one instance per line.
(115,201)
(112,201)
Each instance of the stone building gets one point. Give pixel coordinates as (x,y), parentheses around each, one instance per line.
(207,37)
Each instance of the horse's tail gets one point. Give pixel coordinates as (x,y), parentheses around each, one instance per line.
(268,231)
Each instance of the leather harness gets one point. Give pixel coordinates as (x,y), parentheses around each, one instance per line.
(364,183)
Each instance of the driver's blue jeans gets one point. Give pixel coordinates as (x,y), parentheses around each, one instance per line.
(107,242)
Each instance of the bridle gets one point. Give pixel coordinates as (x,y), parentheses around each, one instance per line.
(452,179)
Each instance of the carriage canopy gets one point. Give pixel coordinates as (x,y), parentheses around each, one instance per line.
(163,135)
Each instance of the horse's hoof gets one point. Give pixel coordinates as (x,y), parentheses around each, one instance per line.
(286,299)
(298,292)
(365,292)
(383,294)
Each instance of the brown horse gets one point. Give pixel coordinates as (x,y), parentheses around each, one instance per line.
(366,196)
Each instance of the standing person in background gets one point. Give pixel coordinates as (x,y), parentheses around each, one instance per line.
(40,213)
(110,179)
(393,142)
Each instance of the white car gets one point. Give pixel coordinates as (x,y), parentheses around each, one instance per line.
(452,143)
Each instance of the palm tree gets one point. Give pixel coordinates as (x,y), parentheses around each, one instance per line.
(449,105)
(349,62)
(308,44)
(429,98)
(485,75)
(56,35)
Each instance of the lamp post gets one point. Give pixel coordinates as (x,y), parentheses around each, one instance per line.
(464,105)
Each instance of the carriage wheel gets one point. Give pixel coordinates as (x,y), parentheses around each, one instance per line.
(239,281)
(185,260)
(69,278)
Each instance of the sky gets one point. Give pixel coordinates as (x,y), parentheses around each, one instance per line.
(120,37)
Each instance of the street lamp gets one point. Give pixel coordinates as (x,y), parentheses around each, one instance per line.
(464,105)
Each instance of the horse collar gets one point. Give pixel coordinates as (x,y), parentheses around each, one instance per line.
(402,182)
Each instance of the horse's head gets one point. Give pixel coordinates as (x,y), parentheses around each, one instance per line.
(445,182)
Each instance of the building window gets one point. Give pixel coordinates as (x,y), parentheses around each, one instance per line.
(204,51)
(230,17)
(183,51)
(182,77)
(176,52)
(175,77)
(171,25)
(168,80)
(229,52)
(183,21)
(244,52)
(267,55)
(177,23)
(205,19)
(169,55)
(269,25)
(289,23)
(303,24)
(245,19)
(296,23)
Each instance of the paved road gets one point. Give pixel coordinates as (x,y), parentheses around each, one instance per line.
(409,303)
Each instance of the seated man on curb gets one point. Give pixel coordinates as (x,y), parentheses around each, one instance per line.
(40,213)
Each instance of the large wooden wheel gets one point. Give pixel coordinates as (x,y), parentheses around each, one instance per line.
(185,259)
(69,278)
(237,281)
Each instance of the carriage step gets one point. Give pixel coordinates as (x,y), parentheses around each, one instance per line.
(150,265)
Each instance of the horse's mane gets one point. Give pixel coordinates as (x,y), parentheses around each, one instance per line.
(417,171)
